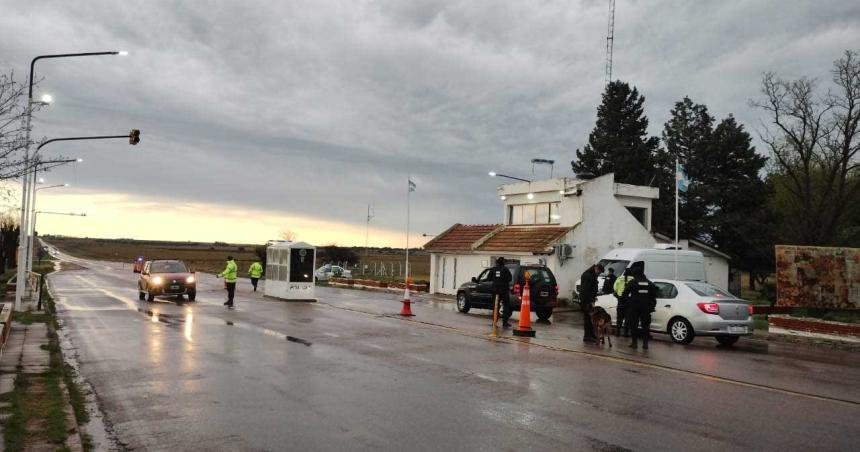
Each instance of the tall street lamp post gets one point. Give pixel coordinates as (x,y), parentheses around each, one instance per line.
(26,183)
(32,232)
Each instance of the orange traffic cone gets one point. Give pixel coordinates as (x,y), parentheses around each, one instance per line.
(524,328)
(407,303)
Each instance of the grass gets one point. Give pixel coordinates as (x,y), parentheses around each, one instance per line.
(37,402)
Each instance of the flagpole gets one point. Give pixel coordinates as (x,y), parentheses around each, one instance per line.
(408,208)
(677,169)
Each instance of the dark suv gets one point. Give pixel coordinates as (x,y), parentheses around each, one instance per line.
(167,278)
(542,285)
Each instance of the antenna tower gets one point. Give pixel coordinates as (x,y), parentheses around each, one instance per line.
(610,38)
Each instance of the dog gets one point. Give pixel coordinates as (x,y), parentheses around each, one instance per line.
(602,323)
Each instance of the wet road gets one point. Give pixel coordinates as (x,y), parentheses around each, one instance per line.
(196,376)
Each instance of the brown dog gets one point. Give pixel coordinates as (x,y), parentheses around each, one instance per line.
(602,323)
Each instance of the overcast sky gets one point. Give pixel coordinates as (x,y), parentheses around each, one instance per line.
(261,116)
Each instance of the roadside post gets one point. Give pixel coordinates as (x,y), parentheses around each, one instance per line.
(495,332)
(524,328)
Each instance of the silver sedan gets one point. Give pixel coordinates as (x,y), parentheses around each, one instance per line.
(686,309)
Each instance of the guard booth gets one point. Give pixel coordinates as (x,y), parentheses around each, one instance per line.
(290,270)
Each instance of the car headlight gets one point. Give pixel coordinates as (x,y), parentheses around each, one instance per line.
(157,280)
(189,279)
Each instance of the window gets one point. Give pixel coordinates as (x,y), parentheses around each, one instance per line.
(484,276)
(707,290)
(539,213)
(666,290)
(168,267)
(617,266)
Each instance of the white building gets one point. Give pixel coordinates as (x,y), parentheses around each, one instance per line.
(569,224)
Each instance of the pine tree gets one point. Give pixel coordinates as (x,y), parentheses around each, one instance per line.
(619,142)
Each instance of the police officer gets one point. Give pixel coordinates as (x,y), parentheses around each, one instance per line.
(641,297)
(501,278)
(255,272)
(621,311)
(229,274)
(587,296)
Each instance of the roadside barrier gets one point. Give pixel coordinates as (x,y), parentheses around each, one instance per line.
(524,329)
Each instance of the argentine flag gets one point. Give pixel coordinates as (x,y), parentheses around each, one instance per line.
(411,185)
(681,178)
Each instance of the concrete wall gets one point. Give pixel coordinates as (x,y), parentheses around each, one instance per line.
(716,269)
(449,271)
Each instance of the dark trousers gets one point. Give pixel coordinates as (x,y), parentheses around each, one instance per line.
(621,321)
(231,291)
(639,322)
(586,305)
(254,283)
(504,304)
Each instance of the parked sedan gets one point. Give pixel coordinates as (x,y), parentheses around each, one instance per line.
(329,271)
(686,309)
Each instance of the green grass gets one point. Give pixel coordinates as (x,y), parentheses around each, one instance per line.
(38,400)
(760,322)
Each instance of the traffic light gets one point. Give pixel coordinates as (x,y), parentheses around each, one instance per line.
(134,137)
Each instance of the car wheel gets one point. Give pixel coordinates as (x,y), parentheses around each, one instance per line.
(728,341)
(543,314)
(463,304)
(192,296)
(681,331)
(141,295)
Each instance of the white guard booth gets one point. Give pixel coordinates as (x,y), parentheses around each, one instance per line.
(290,270)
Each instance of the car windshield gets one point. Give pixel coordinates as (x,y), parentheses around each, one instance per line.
(707,290)
(168,267)
(617,266)
(537,275)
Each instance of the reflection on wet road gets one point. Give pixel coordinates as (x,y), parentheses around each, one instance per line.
(344,373)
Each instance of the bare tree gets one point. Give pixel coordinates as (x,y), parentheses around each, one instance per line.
(814,140)
(288,235)
(13,114)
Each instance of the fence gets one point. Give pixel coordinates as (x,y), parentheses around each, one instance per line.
(388,269)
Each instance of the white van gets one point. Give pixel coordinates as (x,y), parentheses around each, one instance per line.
(659,263)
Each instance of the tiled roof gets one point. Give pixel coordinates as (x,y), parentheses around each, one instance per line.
(460,237)
(524,239)
(493,237)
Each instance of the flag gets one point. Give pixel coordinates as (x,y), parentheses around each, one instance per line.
(681,177)
(411,185)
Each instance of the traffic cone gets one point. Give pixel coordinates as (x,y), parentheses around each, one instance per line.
(406,311)
(524,328)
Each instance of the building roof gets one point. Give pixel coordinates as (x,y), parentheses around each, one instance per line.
(460,237)
(524,239)
(494,237)
(696,243)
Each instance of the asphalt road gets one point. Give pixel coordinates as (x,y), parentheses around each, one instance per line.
(354,376)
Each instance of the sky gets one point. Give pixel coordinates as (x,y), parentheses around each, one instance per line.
(259,117)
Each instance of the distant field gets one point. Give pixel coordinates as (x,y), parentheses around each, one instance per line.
(209,257)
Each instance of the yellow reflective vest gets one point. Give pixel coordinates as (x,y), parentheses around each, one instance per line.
(620,284)
(256,270)
(230,272)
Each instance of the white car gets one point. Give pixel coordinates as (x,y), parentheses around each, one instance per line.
(686,309)
(329,271)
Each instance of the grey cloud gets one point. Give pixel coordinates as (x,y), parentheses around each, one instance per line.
(320,107)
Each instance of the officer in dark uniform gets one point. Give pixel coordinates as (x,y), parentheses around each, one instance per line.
(641,297)
(501,278)
(588,292)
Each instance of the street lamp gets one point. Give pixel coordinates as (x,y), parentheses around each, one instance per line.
(40,166)
(69,214)
(27,184)
(529,196)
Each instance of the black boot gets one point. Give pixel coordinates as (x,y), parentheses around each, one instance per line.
(645,344)
(634,345)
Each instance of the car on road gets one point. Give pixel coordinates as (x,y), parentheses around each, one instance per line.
(329,271)
(166,277)
(686,309)
(543,289)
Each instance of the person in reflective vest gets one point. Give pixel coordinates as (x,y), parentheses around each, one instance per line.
(229,274)
(255,272)
(621,310)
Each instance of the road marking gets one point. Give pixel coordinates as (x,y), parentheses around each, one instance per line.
(615,359)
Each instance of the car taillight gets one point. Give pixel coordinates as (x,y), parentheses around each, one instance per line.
(750,309)
(709,308)
(517,289)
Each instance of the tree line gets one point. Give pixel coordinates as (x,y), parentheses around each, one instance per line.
(803,189)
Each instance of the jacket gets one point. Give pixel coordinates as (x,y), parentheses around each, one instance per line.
(588,286)
(230,272)
(609,284)
(640,293)
(256,270)
(621,284)
(501,278)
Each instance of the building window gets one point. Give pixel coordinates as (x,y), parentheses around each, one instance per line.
(538,213)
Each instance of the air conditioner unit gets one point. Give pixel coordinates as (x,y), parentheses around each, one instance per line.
(564,252)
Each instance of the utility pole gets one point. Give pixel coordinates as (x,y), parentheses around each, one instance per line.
(610,40)
(367,229)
